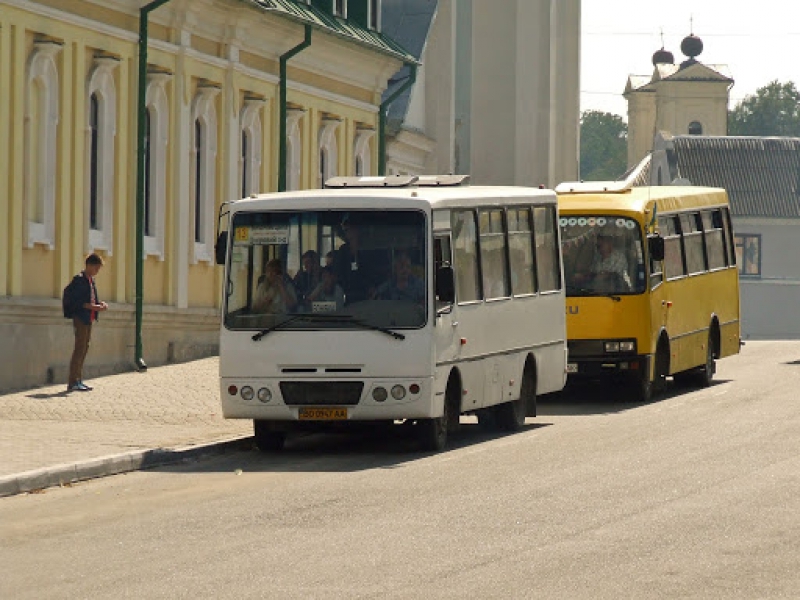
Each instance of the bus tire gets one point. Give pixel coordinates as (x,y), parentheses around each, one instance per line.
(432,433)
(705,374)
(511,415)
(268,439)
(645,388)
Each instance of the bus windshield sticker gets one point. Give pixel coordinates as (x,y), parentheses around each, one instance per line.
(277,234)
(241,236)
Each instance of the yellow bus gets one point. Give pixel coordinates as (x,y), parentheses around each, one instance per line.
(651,280)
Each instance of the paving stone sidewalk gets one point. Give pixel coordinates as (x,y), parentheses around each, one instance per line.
(127,421)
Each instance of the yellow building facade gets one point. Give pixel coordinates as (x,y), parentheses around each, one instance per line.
(68,129)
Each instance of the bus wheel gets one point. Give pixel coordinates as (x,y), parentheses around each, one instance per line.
(433,432)
(267,439)
(511,415)
(645,388)
(706,373)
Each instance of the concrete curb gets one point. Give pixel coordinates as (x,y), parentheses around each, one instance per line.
(59,475)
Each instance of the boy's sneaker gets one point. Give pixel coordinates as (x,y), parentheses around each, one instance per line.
(83,387)
(73,387)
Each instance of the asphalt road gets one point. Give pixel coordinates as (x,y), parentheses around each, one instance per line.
(695,495)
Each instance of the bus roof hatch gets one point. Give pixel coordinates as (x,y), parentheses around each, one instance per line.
(393,181)
(594,187)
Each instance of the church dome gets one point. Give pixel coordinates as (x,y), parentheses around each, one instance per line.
(692,46)
(663,57)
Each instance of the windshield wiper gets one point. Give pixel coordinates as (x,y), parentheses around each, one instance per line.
(351,319)
(292,317)
(386,330)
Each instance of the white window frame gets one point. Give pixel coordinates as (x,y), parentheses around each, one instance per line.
(250,124)
(294,153)
(362,152)
(42,72)
(329,146)
(372,19)
(204,110)
(340,13)
(157,105)
(101,83)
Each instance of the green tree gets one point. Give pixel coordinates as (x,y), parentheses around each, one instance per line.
(604,146)
(773,110)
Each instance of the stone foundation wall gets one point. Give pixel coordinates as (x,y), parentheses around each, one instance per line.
(36,340)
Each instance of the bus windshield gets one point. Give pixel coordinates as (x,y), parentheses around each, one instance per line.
(327,269)
(603,255)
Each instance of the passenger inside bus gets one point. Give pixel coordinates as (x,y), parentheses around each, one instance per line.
(275,292)
(357,268)
(608,271)
(328,295)
(403,284)
(308,277)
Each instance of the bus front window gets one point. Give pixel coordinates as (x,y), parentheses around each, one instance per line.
(602,255)
(328,269)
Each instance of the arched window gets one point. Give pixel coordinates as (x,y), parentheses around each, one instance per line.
(293,148)
(375,14)
(695,128)
(39,144)
(101,129)
(362,152)
(328,149)
(203,171)
(155,171)
(250,158)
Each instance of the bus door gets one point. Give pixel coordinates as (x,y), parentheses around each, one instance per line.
(446,323)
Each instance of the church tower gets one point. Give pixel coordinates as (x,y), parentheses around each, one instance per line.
(686,98)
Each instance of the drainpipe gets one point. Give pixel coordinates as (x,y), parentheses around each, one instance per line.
(141,113)
(412,77)
(282,108)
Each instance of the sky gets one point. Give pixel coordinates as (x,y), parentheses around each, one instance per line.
(758,41)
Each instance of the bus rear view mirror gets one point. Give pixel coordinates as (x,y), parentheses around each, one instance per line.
(656,246)
(445,285)
(221,247)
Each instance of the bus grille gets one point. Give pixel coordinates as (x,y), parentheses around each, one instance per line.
(321,393)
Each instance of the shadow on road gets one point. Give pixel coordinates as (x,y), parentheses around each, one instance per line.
(386,448)
(588,398)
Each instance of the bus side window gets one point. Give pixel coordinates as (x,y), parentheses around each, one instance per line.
(673,250)
(520,249)
(547,249)
(715,242)
(465,250)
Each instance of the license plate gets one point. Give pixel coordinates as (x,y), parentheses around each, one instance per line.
(322,414)
(572,367)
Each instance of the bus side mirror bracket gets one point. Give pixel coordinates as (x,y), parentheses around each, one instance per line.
(221,247)
(655,244)
(445,284)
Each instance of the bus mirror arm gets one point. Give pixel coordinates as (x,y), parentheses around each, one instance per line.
(655,244)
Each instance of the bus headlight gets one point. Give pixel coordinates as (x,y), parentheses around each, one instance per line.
(629,346)
(264,395)
(611,346)
(247,393)
(398,392)
(379,394)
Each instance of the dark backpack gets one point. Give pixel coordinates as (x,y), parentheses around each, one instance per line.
(69,300)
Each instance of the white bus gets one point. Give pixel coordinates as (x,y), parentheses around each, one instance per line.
(441,299)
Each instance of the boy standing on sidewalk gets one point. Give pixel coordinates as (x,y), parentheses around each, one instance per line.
(86,306)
